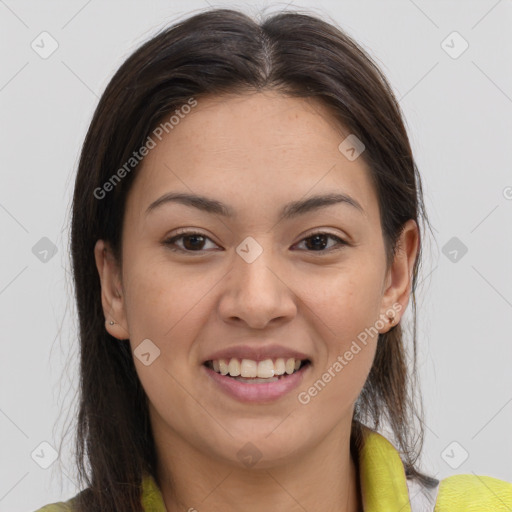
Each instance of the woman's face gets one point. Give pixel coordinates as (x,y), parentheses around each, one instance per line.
(253,284)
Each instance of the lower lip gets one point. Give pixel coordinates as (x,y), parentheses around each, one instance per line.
(259,392)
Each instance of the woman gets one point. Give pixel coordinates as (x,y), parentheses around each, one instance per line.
(245,240)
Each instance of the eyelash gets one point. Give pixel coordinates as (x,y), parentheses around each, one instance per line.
(170,242)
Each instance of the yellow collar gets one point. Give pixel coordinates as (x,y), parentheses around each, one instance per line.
(382,476)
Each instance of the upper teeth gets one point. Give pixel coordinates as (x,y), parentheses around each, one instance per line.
(249,368)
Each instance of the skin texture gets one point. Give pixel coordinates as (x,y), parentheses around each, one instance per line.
(255,152)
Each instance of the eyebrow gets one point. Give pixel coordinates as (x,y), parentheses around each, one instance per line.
(290,210)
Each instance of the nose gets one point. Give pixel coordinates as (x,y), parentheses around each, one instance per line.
(257,292)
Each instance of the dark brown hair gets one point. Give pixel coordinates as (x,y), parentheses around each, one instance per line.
(212,53)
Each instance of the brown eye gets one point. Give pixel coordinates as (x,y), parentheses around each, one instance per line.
(319,241)
(191,242)
(195,242)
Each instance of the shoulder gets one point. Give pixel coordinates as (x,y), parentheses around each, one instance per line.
(461,493)
(61,506)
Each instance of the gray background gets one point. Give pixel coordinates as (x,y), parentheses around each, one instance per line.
(459,117)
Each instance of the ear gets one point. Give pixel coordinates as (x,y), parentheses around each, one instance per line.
(112,299)
(398,282)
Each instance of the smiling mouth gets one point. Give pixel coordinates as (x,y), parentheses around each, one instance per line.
(253,372)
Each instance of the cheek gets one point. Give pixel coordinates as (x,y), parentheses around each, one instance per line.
(162,301)
(345,312)
(346,300)
(166,307)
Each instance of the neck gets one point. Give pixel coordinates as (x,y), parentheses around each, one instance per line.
(324,478)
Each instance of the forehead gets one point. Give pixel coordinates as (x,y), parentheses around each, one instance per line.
(261,146)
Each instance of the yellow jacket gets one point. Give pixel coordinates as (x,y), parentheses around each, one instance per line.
(384,488)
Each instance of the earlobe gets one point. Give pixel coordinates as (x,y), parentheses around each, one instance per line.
(400,274)
(111,295)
